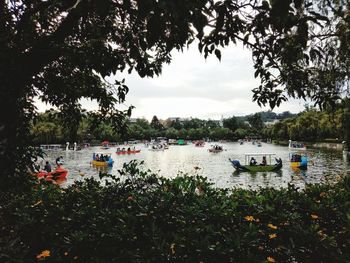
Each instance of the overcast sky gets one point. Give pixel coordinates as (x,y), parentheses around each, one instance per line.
(191,86)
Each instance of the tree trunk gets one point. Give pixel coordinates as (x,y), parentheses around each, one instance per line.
(13,128)
(346,125)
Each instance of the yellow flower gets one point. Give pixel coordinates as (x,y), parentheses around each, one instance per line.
(314,217)
(270,259)
(43,254)
(172,248)
(249,218)
(272,226)
(272,236)
(322,194)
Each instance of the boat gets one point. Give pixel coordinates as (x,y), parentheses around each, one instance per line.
(50,147)
(216,149)
(254,167)
(157,147)
(105,145)
(127,152)
(59,174)
(293,145)
(98,163)
(199,143)
(298,161)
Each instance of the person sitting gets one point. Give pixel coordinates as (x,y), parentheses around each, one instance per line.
(253,161)
(97,157)
(59,160)
(47,167)
(263,162)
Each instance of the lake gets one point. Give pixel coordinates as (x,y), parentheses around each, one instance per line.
(323,165)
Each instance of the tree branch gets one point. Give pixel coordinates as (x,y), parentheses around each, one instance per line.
(46,50)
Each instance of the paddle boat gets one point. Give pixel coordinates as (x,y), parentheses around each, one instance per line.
(252,166)
(129,151)
(105,145)
(298,161)
(96,161)
(59,174)
(215,149)
(293,145)
(199,143)
(157,147)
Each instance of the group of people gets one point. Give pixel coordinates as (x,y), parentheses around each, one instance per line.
(263,161)
(254,162)
(101,157)
(59,161)
(127,150)
(217,147)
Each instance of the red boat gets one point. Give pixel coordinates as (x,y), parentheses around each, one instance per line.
(59,174)
(128,152)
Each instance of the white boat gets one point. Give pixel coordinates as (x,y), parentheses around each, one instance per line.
(50,147)
(293,145)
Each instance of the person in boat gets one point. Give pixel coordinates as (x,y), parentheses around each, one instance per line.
(263,162)
(252,161)
(59,160)
(128,150)
(47,167)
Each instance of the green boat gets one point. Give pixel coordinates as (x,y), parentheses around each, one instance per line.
(253,167)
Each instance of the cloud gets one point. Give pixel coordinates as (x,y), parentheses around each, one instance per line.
(193,86)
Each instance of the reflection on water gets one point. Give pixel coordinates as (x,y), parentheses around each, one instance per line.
(323,165)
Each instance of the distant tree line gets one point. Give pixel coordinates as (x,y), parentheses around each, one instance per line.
(309,125)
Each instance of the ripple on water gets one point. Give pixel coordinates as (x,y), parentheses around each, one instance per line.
(323,165)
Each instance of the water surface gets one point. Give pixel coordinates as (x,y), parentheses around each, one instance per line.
(323,165)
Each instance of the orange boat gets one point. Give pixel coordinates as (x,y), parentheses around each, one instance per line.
(128,152)
(59,174)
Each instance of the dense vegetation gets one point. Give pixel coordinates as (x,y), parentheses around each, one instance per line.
(309,125)
(62,51)
(145,218)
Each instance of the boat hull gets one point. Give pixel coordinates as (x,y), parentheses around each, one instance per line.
(128,152)
(101,164)
(256,168)
(60,174)
(214,151)
(297,165)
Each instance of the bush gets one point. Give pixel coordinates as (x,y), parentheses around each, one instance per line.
(146,218)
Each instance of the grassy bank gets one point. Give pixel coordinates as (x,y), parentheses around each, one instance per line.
(147,219)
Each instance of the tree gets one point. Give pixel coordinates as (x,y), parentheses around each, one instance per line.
(231,123)
(255,122)
(61,51)
(155,124)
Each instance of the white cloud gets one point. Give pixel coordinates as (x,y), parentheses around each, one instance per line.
(198,87)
